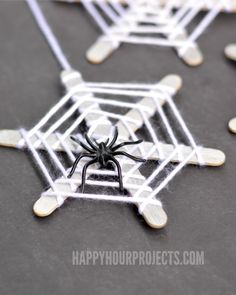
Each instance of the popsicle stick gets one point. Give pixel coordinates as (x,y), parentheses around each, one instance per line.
(232,125)
(191,55)
(101,50)
(230,51)
(212,157)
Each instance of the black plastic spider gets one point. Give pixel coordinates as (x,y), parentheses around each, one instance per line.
(103,153)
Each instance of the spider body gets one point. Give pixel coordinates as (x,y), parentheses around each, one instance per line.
(102,153)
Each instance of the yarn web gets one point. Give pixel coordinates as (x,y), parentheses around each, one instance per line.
(138,111)
(208,4)
(152,23)
(97,107)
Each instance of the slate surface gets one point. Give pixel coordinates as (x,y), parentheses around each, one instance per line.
(36,254)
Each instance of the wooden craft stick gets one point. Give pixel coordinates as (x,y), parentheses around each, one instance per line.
(230,51)
(192,55)
(232,125)
(212,157)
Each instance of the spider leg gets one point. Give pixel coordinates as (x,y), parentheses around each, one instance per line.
(128,156)
(118,146)
(75,138)
(106,142)
(84,172)
(77,161)
(97,143)
(88,149)
(119,172)
(89,141)
(114,138)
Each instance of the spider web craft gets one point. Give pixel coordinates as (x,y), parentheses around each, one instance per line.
(97,108)
(151,23)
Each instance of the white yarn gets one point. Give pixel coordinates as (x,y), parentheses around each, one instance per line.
(120,199)
(47,32)
(152,91)
(165,182)
(94,13)
(42,166)
(84,102)
(185,128)
(127,23)
(203,24)
(208,4)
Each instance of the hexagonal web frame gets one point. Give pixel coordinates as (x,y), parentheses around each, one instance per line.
(139,19)
(86,106)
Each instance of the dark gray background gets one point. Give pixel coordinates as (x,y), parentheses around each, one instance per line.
(35,253)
